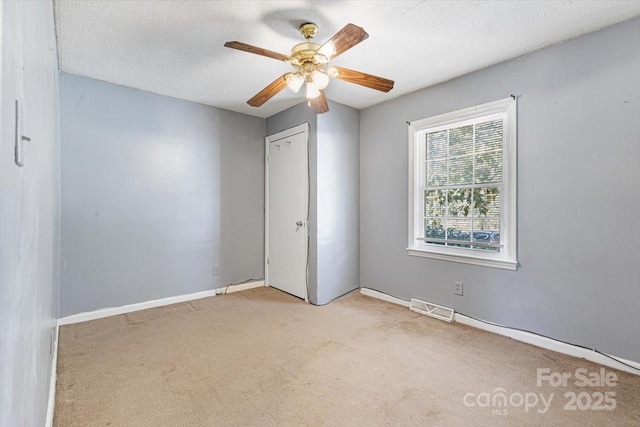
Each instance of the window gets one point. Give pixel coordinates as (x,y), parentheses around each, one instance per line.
(462,186)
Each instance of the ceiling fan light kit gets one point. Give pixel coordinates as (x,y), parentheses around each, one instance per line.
(294,81)
(320,79)
(312,91)
(310,61)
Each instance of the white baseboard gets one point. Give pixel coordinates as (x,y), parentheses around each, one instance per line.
(114,311)
(243,287)
(527,337)
(551,344)
(52,382)
(385,297)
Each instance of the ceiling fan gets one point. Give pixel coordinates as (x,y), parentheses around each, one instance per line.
(310,61)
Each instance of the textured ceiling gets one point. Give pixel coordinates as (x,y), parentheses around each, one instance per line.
(175,48)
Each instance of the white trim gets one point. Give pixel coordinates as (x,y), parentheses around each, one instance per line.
(467,114)
(507,258)
(302,128)
(526,337)
(550,344)
(52,382)
(384,297)
(475,260)
(242,286)
(114,311)
(413,184)
(266,211)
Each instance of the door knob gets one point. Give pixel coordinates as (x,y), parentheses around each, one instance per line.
(299,223)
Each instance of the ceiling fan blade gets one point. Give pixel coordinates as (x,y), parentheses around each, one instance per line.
(319,103)
(364,79)
(257,50)
(268,92)
(343,40)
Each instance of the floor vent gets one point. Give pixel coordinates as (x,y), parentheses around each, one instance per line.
(433,310)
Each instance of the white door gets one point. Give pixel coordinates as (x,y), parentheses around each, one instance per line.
(287,201)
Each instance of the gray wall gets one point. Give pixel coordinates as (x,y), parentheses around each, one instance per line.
(155,192)
(334,203)
(578,195)
(338,182)
(287,119)
(28,212)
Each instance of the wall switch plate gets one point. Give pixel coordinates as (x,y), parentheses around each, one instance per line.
(458,288)
(216,270)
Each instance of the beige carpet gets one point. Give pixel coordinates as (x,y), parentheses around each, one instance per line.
(264,358)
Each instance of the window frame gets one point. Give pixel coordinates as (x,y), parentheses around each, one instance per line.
(507,257)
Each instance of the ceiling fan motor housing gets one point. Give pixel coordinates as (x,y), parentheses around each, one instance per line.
(305,56)
(305,51)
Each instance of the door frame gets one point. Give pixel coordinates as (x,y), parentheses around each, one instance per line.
(302,128)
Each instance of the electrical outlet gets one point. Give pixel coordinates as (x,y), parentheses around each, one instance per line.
(458,288)
(216,270)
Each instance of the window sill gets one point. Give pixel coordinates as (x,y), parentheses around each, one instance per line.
(466,259)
